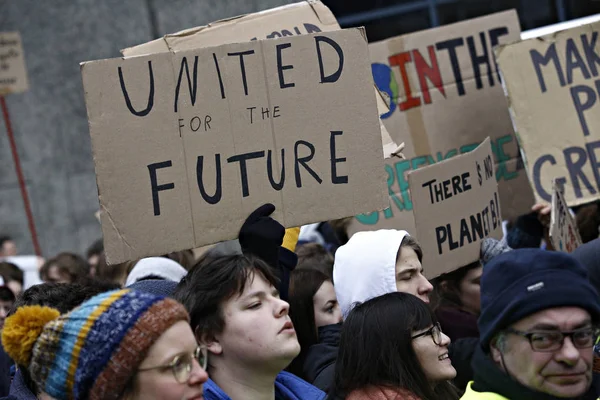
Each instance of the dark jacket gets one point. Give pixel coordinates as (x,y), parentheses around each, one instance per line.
(319,364)
(491,379)
(5,364)
(456,323)
(461,354)
(19,390)
(588,254)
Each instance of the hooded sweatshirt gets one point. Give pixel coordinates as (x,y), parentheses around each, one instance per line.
(287,387)
(365,267)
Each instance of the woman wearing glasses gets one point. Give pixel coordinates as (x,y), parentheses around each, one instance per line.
(392,348)
(122,344)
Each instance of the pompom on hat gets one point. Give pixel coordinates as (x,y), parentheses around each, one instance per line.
(93,351)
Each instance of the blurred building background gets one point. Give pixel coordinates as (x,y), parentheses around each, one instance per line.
(388,18)
(50,123)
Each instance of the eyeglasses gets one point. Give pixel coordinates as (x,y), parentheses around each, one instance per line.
(548,341)
(182,364)
(435,332)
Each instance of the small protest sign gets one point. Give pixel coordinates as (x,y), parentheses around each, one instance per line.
(563,230)
(456,205)
(553,85)
(187,143)
(446,98)
(13,74)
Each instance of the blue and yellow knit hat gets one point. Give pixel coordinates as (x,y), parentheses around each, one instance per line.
(93,351)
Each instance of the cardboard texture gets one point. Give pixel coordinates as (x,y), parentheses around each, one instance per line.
(188,143)
(289,20)
(564,234)
(446,98)
(552,86)
(13,74)
(456,206)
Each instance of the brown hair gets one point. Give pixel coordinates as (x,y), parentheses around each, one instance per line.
(211,283)
(68,263)
(315,256)
(340,227)
(446,287)
(412,243)
(10,272)
(115,273)
(588,222)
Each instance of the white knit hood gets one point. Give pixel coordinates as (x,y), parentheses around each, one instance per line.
(365,267)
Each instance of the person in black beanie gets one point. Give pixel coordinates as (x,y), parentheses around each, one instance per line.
(537,327)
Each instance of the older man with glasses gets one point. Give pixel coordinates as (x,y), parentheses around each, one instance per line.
(538,325)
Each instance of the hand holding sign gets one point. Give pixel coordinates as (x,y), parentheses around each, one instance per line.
(262,236)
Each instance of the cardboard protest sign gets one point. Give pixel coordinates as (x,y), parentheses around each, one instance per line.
(13,74)
(188,143)
(446,98)
(289,20)
(552,85)
(456,206)
(563,230)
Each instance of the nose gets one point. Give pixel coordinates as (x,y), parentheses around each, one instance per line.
(445,340)
(282,308)
(198,375)
(338,315)
(568,354)
(425,287)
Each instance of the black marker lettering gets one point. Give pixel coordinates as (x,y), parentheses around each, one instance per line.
(155,187)
(242,158)
(336,75)
(144,112)
(214,199)
(241,54)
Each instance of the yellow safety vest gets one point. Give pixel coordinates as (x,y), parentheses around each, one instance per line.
(470,394)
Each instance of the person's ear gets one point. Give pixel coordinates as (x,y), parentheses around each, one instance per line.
(210,341)
(496,349)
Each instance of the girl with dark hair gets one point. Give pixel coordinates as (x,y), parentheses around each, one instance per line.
(456,301)
(317,318)
(392,348)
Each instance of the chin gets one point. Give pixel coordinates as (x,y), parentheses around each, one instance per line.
(294,350)
(448,374)
(570,391)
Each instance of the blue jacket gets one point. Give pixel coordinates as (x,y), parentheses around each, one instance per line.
(287,387)
(18,389)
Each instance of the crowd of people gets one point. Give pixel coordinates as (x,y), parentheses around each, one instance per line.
(306,313)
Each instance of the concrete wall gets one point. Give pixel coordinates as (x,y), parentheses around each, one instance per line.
(49,121)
